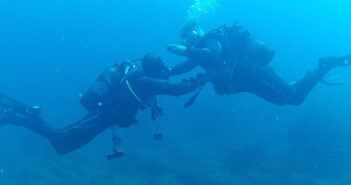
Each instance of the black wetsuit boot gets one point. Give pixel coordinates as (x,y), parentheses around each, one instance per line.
(304,86)
(14,112)
(326,64)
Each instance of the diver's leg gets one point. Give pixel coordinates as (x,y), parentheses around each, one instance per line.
(304,86)
(272,88)
(20,114)
(269,86)
(64,140)
(16,113)
(265,83)
(80,133)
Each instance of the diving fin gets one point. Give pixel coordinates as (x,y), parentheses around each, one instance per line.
(333,80)
(14,112)
(7,103)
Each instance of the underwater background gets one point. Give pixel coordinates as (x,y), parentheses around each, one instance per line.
(51,51)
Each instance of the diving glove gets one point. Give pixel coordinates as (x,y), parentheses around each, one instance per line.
(200,79)
(176,49)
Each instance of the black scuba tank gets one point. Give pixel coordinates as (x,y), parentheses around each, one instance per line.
(254,49)
(241,46)
(107,84)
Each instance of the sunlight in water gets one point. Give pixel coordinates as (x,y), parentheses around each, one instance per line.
(202,7)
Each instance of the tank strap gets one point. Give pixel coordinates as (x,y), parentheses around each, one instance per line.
(156,110)
(230,61)
(131,89)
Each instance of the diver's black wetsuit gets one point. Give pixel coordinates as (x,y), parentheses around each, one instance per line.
(120,111)
(254,78)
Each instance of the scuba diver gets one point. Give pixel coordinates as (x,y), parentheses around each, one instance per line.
(113,100)
(237,61)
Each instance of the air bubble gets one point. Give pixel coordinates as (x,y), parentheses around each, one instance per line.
(202,7)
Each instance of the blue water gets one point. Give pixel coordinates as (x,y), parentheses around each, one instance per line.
(51,51)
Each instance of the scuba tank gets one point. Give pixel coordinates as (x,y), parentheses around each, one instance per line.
(239,48)
(241,45)
(106,84)
(248,47)
(255,49)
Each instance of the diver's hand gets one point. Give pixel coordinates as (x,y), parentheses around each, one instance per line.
(202,78)
(210,74)
(176,49)
(197,81)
